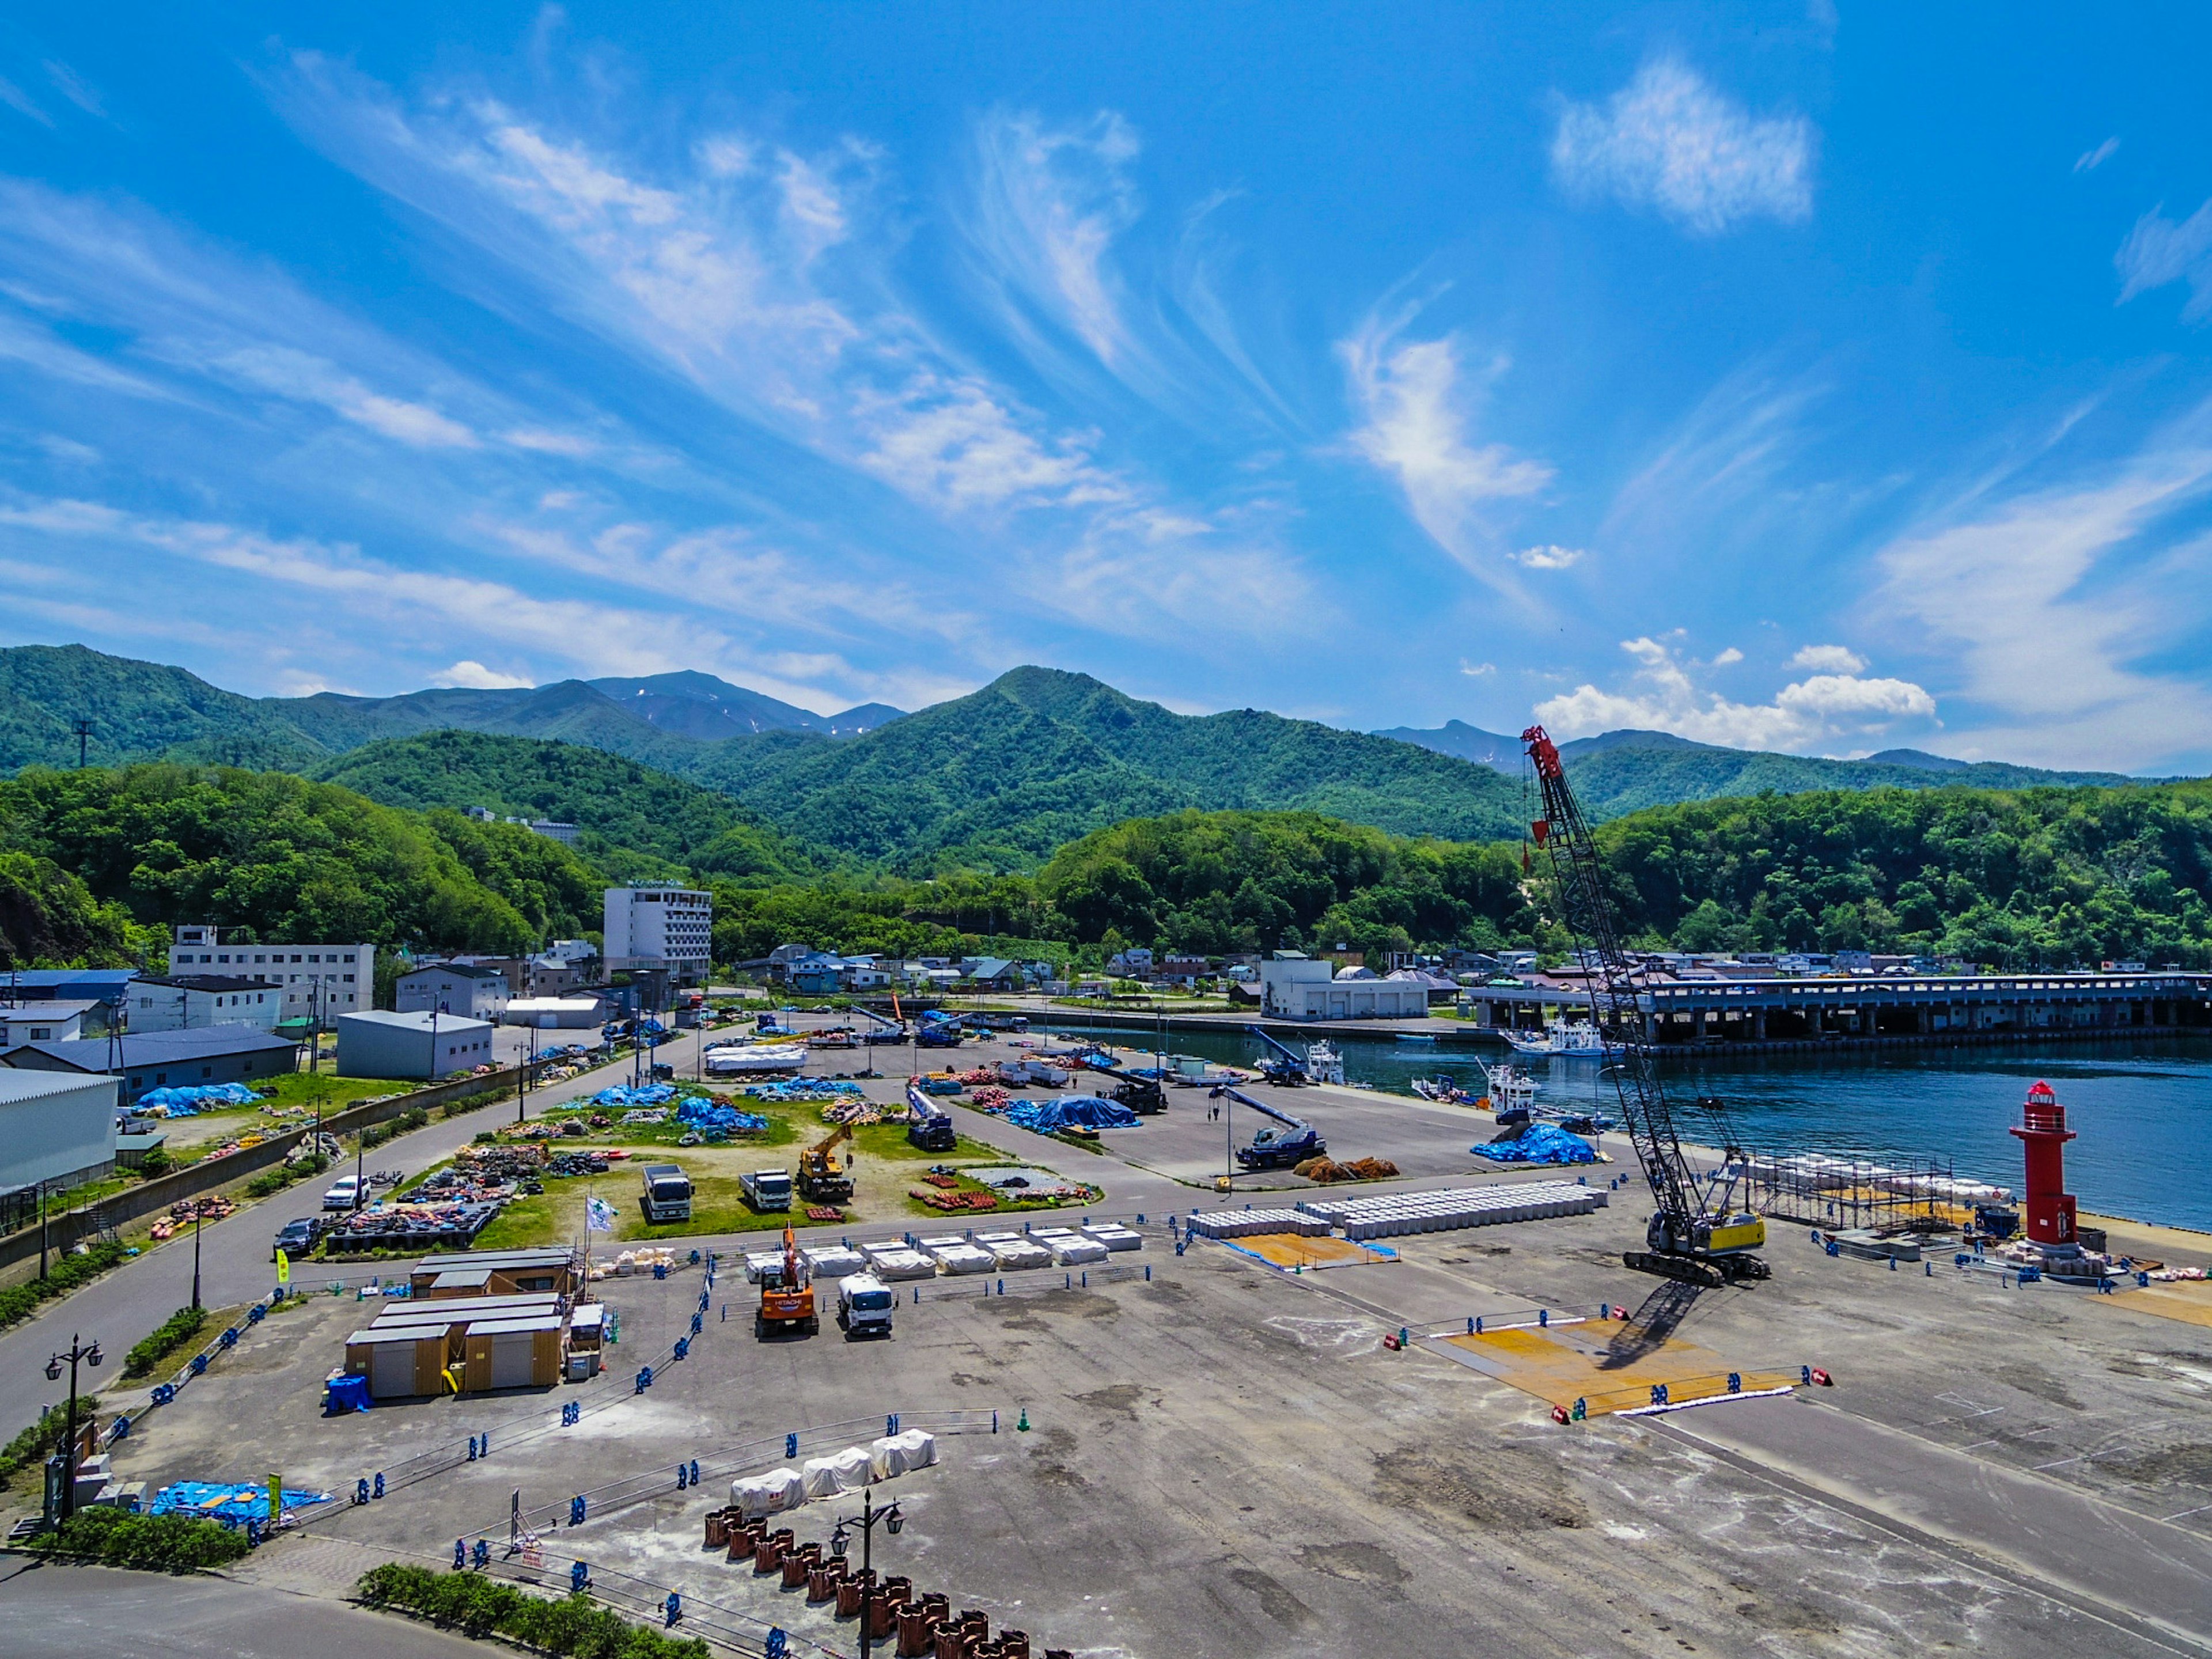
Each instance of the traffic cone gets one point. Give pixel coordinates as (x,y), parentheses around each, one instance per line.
(1023,1427)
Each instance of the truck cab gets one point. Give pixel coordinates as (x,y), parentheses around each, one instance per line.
(863,1305)
(667,1196)
(767,1189)
(932,1135)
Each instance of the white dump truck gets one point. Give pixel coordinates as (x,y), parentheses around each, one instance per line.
(863,1305)
(667,1196)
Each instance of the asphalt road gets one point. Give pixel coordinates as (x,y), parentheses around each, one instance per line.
(66,1612)
(122,1307)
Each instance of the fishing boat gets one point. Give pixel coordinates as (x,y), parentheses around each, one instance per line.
(1323,1063)
(1443,1089)
(1566,1039)
(1512,1092)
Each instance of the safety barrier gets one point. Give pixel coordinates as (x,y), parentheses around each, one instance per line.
(162,1394)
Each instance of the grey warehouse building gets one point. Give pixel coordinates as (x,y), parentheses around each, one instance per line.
(389,1045)
(55,1128)
(165,1060)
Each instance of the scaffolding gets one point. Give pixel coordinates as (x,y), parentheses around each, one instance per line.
(1839,1193)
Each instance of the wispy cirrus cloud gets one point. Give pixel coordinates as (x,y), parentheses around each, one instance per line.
(2160,251)
(1821,711)
(1670,142)
(2090,160)
(1418,402)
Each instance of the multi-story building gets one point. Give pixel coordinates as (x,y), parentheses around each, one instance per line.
(669,928)
(318,982)
(192,1002)
(477,989)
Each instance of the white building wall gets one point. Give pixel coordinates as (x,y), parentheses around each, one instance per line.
(321,981)
(650,926)
(54,1126)
(154,1008)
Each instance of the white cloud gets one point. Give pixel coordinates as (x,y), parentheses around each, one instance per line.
(1667,141)
(477,677)
(307,378)
(2158,251)
(953,444)
(1731,656)
(74,86)
(2048,600)
(1548,558)
(19,101)
(1829,659)
(1821,711)
(1418,428)
(569,443)
(2091,160)
(1476,669)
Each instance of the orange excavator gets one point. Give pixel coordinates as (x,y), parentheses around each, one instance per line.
(787,1305)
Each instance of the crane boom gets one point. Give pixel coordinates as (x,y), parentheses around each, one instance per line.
(1694,1234)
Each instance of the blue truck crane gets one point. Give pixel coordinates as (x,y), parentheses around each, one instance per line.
(1275,1149)
(1285,1067)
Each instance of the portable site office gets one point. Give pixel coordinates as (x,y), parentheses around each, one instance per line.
(513,1353)
(508,1273)
(398,1362)
(488,1342)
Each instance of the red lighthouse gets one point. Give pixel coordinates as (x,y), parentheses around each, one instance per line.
(2050,1207)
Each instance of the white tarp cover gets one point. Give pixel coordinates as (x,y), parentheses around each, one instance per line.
(896,1262)
(825,1476)
(834,1261)
(770,1493)
(762,1261)
(895,1454)
(1113,1236)
(1073,1251)
(960,1257)
(1013,1252)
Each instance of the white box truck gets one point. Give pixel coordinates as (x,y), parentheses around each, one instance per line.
(767,1189)
(863,1305)
(667,1196)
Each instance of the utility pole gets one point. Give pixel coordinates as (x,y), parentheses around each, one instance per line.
(200,1214)
(81,730)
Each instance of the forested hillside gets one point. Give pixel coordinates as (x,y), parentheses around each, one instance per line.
(274,854)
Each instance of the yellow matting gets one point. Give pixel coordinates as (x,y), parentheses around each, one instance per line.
(1605,1365)
(1293,1250)
(2189,1300)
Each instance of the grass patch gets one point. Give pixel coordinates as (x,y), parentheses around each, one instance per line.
(21,1300)
(149,1543)
(782,1129)
(178,1328)
(32,1447)
(718,1206)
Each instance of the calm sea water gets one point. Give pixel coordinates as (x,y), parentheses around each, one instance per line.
(2143,1109)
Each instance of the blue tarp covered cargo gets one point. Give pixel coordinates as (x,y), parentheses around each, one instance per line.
(1050,1116)
(1538,1143)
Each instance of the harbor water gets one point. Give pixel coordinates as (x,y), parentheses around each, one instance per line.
(2142,1108)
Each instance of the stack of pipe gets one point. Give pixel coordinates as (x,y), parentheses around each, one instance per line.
(1398,1214)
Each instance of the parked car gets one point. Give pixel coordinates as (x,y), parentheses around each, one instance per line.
(297,1238)
(343,1194)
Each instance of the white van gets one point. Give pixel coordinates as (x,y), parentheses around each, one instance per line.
(865,1304)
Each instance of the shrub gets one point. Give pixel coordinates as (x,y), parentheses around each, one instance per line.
(65,1276)
(150,1543)
(35,1444)
(414,1117)
(173,1332)
(574,1626)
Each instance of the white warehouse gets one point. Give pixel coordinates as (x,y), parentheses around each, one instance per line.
(1306,988)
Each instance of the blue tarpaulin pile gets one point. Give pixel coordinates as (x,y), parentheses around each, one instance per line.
(697,1112)
(1537,1143)
(1050,1116)
(803,1089)
(620,1099)
(187,1102)
(233,1505)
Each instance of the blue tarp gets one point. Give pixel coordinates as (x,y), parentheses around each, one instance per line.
(186,1102)
(233,1505)
(621,1099)
(698,1112)
(1050,1116)
(345,1393)
(1538,1143)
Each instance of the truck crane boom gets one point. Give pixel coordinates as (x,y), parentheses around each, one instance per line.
(1287,1067)
(1695,1234)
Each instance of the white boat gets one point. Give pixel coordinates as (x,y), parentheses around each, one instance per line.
(1566,1039)
(1511,1090)
(1323,1063)
(754,1059)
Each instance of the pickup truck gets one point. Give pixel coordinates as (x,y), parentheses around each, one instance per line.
(297,1238)
(863,1305)
(343,1194)
(667,1196)
(767,1189)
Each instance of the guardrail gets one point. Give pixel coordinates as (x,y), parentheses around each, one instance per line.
(162,1393)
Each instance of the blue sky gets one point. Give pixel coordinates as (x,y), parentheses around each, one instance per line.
(1821,378)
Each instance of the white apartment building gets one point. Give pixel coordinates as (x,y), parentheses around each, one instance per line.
(670,928)
(320,981)
(454,987)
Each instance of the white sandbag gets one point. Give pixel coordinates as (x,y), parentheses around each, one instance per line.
(769,1494)
(834,1261)
(843,1471)
(960,1257)
(896,1262)
(919,1446)
(1013,1253)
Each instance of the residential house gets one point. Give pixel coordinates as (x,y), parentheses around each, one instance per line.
(49,1022)
(187,1002)
(477,990)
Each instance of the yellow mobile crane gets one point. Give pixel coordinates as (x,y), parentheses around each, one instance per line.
(1697,1234)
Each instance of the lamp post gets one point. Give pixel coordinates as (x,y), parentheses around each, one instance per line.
(91,1356)
(840,1540)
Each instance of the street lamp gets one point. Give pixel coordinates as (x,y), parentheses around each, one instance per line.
(91,1357)
(840,1540)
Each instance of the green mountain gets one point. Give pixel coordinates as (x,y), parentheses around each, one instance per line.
(618,803)
(137,710)
(1040,756)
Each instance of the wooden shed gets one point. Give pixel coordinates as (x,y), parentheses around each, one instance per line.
(515,1352)
(457,1282)
(510,1273)
(400,1362)
(448,1321)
